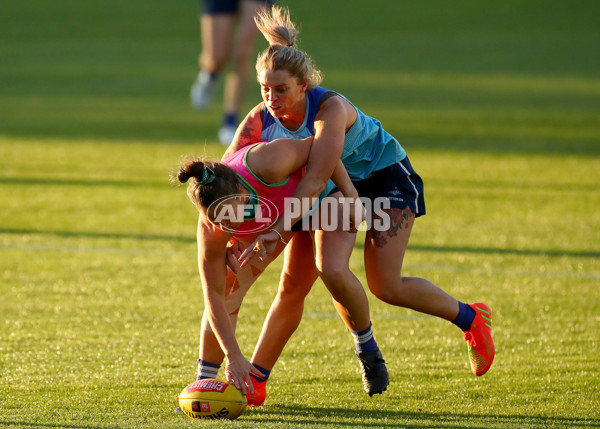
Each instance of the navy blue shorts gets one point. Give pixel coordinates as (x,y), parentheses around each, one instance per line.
(228,7)
(399,183)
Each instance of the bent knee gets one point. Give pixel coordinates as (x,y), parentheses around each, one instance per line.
(330,269)
(389,292)
(294,287)
(336,278)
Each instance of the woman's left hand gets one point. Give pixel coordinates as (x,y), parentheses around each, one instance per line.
(233,254)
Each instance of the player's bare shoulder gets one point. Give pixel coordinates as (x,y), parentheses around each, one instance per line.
(250,129)
(336,106)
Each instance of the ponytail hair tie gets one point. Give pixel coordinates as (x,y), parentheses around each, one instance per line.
(208,175)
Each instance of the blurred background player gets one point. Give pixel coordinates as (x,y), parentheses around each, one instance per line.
(218,21)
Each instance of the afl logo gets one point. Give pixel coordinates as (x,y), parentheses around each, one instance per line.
(256,215)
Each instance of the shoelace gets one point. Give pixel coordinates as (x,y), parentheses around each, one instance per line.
(366,369)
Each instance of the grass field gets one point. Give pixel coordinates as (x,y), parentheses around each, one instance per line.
(498,106)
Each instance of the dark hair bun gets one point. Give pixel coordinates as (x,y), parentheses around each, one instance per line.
(193,169)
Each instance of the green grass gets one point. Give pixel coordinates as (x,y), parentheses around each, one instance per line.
(498,106)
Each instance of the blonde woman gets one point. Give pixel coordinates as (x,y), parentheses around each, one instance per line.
(294,105)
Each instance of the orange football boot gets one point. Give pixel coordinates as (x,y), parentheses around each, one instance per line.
(260,393)
(479,339)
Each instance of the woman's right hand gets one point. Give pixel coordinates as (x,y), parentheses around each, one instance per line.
(264,245)
(237,372)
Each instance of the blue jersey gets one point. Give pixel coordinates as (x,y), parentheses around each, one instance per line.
(367,146)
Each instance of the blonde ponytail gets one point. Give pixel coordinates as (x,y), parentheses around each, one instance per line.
(277,27)
(279,30)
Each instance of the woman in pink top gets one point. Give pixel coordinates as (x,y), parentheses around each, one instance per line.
(241,197)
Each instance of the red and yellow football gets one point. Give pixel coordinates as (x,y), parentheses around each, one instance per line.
(212,399)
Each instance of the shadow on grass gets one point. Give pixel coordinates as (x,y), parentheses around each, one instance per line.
(28,181)
(360,245)
(336,417)
(149,183)
(12,424)
(191,133)
(508,251)
(499,251)
(94,234)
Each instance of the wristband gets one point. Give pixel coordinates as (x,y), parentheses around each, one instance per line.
(279,234)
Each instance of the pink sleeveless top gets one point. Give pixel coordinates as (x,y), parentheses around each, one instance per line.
(267,200)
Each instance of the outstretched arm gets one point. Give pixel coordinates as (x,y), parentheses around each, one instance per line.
(211,263)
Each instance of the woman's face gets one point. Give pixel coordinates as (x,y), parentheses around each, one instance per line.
(281,92)
(228,214)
